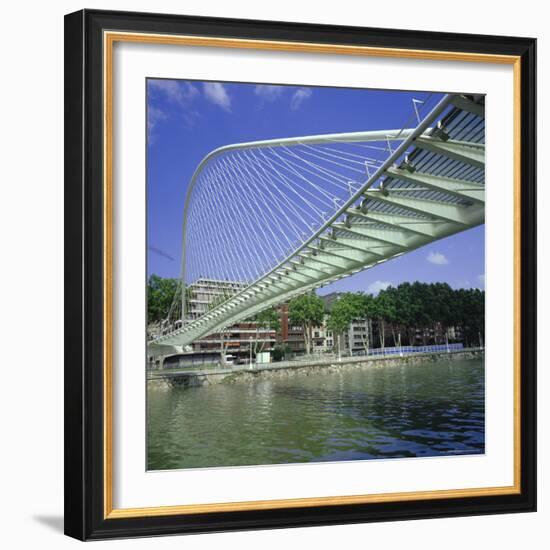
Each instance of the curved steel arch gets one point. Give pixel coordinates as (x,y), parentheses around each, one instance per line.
(376,135)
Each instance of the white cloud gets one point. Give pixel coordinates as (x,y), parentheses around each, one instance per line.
(481,280)
(377,286)
(299,97)
(154,115)
(437,258)
(178,92)
(217,94)
(268,92)
(175,91)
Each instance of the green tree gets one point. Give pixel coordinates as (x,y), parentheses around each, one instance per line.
(160,295)
(384,310)
(306,311)
(413,307)
(280,351)
(442,307)
(470,305)
(267,319)
(349,307)
(405,310)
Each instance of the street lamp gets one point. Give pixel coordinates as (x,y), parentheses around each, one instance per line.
(250,348)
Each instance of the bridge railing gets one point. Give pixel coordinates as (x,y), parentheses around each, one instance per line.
(310,361)
(305,361)
(410,349)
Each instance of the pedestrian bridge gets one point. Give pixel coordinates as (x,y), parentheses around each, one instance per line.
(286,216)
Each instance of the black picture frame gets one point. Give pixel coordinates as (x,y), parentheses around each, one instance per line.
(85,517)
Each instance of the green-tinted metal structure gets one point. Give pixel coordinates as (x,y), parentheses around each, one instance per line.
(421,185)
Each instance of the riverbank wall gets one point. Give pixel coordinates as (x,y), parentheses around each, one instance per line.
(168,378)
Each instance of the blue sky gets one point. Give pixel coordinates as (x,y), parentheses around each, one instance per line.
(187,120)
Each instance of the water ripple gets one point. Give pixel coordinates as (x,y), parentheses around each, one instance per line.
(388,412)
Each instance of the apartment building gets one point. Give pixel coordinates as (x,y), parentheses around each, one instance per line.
(235,342)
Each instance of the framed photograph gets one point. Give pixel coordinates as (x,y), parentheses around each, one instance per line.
(300,274)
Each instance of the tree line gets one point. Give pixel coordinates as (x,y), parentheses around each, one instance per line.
(395,316)
(160,295)
(406,310)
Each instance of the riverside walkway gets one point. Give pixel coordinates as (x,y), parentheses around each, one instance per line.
(218,374)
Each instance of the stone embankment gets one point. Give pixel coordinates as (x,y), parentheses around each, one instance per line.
(169,378)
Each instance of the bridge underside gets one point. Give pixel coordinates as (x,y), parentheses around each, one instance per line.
(432,186)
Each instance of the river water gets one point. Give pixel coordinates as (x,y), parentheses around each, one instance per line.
(430,409)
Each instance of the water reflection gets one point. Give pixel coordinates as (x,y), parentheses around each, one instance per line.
(383,412)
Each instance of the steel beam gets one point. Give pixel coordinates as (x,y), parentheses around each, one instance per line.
(461,189)
(466,104)
(354,255)
(393,237)
(439,210)
(426,227)
(463,151)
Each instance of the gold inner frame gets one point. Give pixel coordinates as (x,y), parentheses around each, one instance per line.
(109,39)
